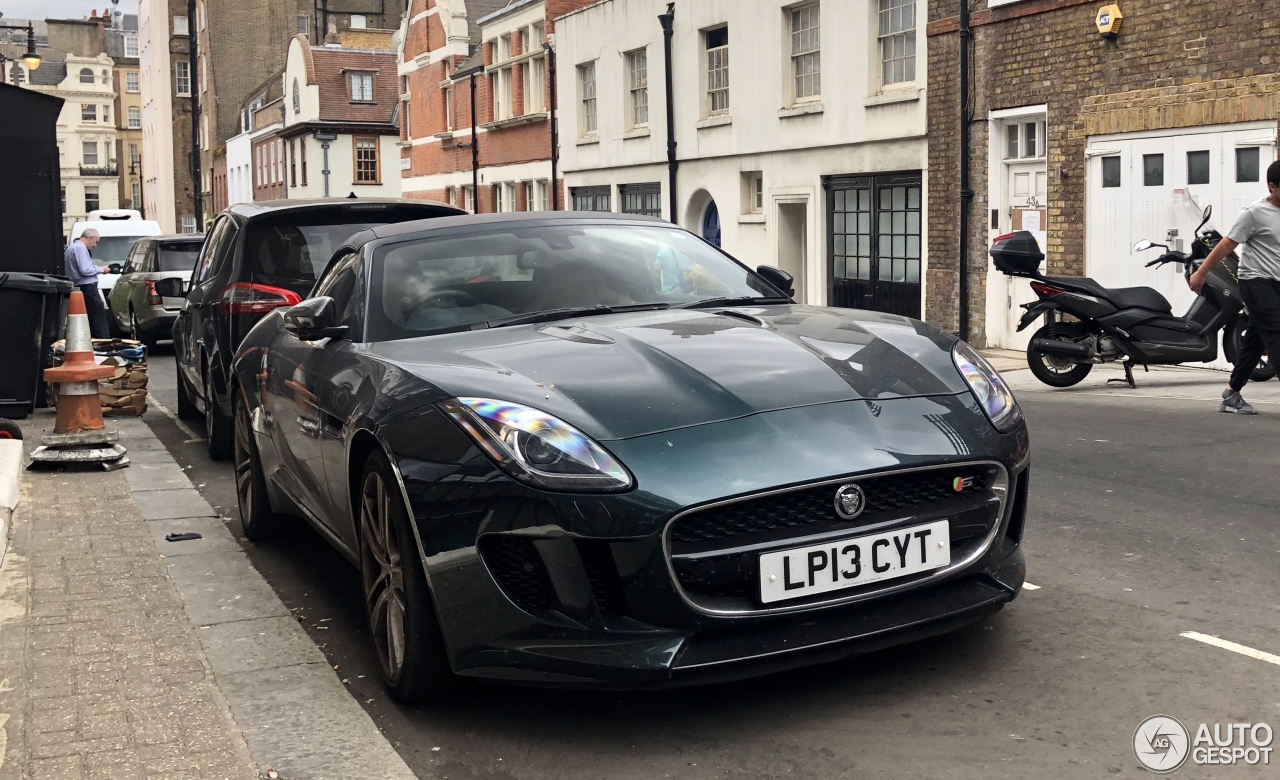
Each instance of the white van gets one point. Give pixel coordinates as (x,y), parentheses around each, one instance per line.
(118,230)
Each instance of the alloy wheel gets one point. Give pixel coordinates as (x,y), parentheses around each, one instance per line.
(383,574)
(208,406)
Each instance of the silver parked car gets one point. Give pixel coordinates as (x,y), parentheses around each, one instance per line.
(153,285)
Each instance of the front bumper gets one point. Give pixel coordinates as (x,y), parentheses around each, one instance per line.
(543,588)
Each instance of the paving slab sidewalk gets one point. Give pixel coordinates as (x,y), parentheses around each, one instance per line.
(123,655)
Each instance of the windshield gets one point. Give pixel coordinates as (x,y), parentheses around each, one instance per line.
(112,249)
(178,257)
(297,246)
(442,284)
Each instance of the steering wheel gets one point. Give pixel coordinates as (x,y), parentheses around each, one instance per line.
(434,300)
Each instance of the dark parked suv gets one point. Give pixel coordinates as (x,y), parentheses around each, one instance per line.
(259,257)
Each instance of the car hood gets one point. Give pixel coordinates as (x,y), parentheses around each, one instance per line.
(619,376)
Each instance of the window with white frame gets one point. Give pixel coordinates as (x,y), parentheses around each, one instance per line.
(367,168)
(88,112)
(469,199)
(504,49)
(752,192)
(359,22)
(92,198)
(448,108)
(717,42)
(543,195)
(86,76)
(304,24)
(638,88)
(538,33)
(524,40)
(135,118)
(132,82)
(897,36)
(360,87)
(131,46)
(587,91)
(135,194)
(533,76)
(182,78)
(89,152)
(529,196)
(180,26)
(188,223)
(502,101)
(806,51)
(1024,140)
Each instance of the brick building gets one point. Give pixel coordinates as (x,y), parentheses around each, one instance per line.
(340,134)
(499,43)
(243,42)
(1092,143)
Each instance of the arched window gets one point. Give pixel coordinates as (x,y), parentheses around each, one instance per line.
(297,98)
(106,77)
(86,76)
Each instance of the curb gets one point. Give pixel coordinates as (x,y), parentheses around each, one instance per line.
(12,454)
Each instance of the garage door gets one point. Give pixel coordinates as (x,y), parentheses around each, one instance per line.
(1145,185)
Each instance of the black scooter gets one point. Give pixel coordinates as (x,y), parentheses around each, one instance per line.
(1133,324)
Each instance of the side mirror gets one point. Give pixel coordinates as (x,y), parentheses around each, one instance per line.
(314,319)
(778,278)
(1143,245)
(115,268)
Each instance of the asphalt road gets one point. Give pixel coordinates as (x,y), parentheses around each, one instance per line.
(1151,516)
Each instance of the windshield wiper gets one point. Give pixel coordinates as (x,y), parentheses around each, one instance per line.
(573,311)
(738,301)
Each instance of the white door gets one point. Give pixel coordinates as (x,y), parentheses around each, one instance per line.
(1026,191)
(1147,185)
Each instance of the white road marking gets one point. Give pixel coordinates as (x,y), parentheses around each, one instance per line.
(162,409)
(1233,647)
(1029,586)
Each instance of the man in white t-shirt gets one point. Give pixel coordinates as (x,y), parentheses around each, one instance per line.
(1257,229)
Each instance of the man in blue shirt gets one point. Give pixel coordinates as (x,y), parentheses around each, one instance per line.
(84,274)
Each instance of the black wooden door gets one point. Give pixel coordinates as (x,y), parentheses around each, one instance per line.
(874,242)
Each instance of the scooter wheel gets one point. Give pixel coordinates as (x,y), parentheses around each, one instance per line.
(1053,370)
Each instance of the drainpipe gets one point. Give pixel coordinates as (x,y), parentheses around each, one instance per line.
(475,150)
(193,55)
(966,194)
(555,130)
(673,165)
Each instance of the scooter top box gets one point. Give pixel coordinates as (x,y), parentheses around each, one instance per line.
(1017,254)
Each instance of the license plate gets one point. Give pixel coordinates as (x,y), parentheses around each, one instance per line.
(848,563)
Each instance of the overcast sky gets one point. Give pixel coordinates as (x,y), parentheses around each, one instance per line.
(60,9)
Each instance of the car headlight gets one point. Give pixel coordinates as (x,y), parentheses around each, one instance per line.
(534,447)
(994,396)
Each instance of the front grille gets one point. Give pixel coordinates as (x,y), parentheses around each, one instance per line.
(809,506)
(519,570)
(715,552)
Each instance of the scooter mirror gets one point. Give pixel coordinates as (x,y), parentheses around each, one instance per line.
(1143,245)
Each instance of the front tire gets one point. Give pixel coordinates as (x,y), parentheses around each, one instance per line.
(256,518)
(1050,369)
(217,428)
(402,616)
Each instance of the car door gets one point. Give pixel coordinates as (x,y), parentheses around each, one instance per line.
(311,409)
(139,296)
(119,297)
(198,316)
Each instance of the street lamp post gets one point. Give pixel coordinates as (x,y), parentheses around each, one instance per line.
(31,58)
(135,169)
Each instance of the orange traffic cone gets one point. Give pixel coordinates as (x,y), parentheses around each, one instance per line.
(79,435)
